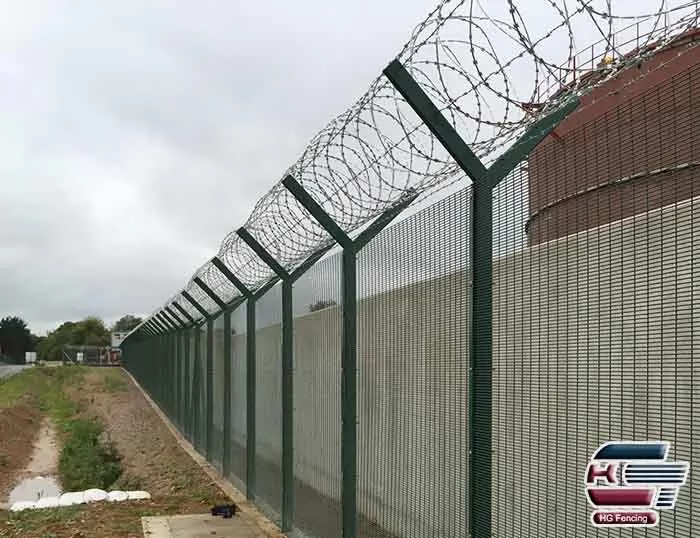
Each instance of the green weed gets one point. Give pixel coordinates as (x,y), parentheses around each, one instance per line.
(129,483)
(114,381)
(33,520)
(87,460)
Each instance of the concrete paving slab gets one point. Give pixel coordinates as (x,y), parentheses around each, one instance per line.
(199,526)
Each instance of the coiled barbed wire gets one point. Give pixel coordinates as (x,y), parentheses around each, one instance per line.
(492,68)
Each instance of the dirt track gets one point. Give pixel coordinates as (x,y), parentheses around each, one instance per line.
(153,461)
(19,427)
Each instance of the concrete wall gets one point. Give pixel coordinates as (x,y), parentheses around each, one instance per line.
(595,338)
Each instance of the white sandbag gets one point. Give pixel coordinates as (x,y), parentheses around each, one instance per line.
(22,505)
(138,495)
(117,496)
(95,495)
(72,498)
(47,502)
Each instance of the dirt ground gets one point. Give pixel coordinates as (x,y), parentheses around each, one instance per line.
(19,427)
(151,458)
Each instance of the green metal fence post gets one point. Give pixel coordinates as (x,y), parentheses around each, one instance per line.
(196,380)
(348,397)
(177,395)
(183,339)
(157,328)
(170,386)
(169,366)
(287,377)
(209,403)
(167,381)
(185,402)
(479,486)
(171,318)
(250,374)
(144,330)
(186,391)
(250,397)
(175,317)
(169,326)
(226,456)
(163,364)
(156,364)
(171,363)
(184,312)
(157,383)
(349,339)
(210,368)
(197,306)
(161,326)
(197,372)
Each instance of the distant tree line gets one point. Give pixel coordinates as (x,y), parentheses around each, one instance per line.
(16,338)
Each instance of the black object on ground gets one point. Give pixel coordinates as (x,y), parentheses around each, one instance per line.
(225,510)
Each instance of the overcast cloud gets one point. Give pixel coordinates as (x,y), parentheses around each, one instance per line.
(135,134)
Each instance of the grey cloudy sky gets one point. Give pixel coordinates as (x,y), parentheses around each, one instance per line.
(135,134)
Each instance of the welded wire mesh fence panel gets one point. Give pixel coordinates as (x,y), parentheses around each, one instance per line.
(594,278)
(413,347)
(317,383)
(596,298)
(268,405)
(238,398)
(219,382)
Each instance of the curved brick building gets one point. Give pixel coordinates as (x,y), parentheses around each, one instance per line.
(632,146)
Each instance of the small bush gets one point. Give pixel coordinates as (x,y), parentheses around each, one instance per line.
(87,460)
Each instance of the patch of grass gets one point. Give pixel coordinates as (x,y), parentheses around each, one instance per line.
(44,388)
(40,520)
(114,381)
(18,386)
(129,483)
(184,482)
(87,459)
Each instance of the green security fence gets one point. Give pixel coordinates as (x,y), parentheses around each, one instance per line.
(371,356)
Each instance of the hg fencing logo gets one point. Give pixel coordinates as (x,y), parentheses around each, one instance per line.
(625,481)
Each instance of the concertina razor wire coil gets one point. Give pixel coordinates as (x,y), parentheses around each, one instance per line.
(491,69)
